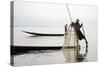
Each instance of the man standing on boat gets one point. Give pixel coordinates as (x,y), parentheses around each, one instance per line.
(77,27)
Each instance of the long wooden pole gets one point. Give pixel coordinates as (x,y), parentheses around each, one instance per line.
(69,12)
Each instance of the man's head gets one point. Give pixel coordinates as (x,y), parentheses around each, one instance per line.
(77,20)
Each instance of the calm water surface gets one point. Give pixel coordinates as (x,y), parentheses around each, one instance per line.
(51,56)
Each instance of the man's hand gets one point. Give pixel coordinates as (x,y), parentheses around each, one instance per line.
(81,24)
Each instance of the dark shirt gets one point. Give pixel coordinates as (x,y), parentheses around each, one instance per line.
(77,26)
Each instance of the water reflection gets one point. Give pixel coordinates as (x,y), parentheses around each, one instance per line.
(40,57)
(74,55)
(81,57)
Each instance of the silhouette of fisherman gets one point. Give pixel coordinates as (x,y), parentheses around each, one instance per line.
(77,27)
(66,27)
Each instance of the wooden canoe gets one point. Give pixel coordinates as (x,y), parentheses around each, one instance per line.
(43,34)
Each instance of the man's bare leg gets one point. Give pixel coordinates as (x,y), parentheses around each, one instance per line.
(86,42)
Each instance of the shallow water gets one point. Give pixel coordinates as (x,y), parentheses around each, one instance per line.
(40,57)
(48,57)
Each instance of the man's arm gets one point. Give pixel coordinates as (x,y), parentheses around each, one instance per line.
(81,25)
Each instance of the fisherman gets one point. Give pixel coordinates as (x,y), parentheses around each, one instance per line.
(77,27)
(66,27)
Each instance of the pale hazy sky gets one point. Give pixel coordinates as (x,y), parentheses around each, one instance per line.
(50,14)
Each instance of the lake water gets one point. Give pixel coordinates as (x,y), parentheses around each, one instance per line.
(24,39)
(52,56)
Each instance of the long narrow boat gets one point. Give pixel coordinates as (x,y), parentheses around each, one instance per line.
(43,34)
(24,49)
